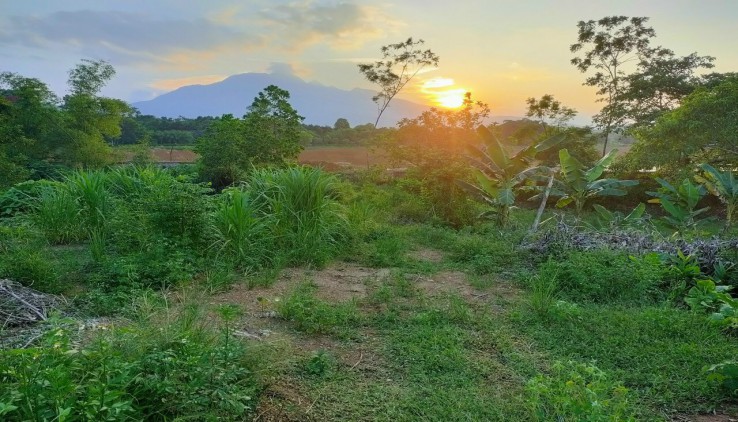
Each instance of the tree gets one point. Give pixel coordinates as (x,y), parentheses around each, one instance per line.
(400,63)
(608,45)
(91,119)
(636,82)
(269,134)
(341,123)
(549,113)
(433,146)
(704,128)
(659,85)
(272,128)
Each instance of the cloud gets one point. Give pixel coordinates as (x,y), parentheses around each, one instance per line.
(121,36)
(172,84)
(342,26)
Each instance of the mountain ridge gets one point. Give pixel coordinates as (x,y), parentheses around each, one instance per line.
(235,93)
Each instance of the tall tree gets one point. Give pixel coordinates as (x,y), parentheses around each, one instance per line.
(608,46)
(91,118)
(400,63)
(704,128)
(549,112)
(637,82)
(269,133)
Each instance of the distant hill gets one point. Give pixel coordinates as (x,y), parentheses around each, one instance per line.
(320,104)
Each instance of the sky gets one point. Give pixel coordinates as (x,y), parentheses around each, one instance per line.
(501,51)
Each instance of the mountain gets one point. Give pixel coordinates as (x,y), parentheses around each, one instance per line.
(320,104)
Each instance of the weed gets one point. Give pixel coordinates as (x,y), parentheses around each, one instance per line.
(578,392)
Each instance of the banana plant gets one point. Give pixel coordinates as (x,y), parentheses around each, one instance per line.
(498,174)
(724,185)
(680,203)
(578,184)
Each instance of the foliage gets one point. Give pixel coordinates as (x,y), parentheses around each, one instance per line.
(702,129)
(269,134)
(722,185)
(579,185)
(725,373)
(304,215)
(577,391)
(238,229)
(680,203)
(657,81)
(605,276)
(146,371)
(499,175)
(400,63)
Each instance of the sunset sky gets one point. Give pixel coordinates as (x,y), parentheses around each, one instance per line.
(501,51)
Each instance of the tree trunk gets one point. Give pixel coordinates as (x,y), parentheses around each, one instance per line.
(542,207)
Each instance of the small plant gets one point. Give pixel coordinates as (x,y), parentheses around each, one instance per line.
(726,374)
(319,364)
(543,298)
(705,295)
(578,392)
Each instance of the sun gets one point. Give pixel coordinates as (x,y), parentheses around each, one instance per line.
(444,92)
(453,98)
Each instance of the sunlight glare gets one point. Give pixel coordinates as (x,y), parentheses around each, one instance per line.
(452,98)
(444,92)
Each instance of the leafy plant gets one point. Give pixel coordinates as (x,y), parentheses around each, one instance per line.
(725,373)
(723,185)
(578,392)
(498,174)
(706,295)
(680,203)
(578,184)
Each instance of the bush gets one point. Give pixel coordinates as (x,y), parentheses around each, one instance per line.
(172,368)
(605,276)
(578,392)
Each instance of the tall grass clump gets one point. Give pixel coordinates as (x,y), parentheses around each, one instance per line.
(239,230)
(89,189)
(306,217)
(56,214)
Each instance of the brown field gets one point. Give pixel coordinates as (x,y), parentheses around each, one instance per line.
(331,158)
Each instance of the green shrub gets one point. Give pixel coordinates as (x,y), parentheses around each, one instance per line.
(25,258)
(605,276)
(578,392)
(168,366)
